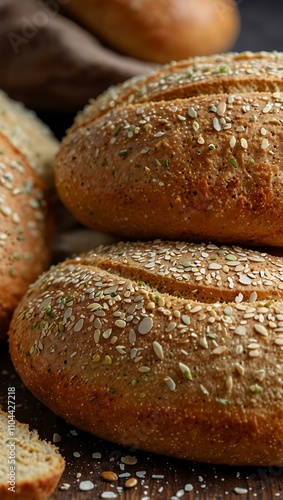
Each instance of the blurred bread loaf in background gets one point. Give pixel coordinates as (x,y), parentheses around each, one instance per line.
(161,30)
(26,149)
(29,134)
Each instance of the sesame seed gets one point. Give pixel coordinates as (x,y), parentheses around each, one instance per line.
(204,390)
(192,112)
(264,144)
(144,369)
(221,108)
(145,325)
(120,323)
(121,349)
(261,329)
(195,309)
(219,349)
(158,349)
(254,353)
(185,319)
(203,342)
(170,326)
(228,311)
(195,126)
(186,371)
(240,369)
(78,326)
(253,297)
(215,266)
(216,124)
(86,485)
(170,383)
(267,108)
(241,491)
(108,332)
(240,330)
(108,494)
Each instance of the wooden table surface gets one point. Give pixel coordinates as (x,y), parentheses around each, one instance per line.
(157,477)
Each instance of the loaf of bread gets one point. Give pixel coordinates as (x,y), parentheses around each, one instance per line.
(30,468)
(29,135)
(192,152)
(26,150)
(171,347)
(162,30)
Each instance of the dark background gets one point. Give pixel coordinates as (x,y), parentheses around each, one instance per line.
(262,25)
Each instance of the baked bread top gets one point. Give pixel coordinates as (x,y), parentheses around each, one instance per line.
(168,346)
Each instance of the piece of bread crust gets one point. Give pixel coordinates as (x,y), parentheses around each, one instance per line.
(30,467)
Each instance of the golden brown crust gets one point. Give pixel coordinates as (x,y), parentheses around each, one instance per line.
(25,234)
(39,464)
(163,30)
(117,344)
(200,168)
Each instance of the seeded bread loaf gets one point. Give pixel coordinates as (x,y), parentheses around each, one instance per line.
(29,134)
(163,30)
(147,160)
(27,148)
(30,468)
(25,228)
(170,347)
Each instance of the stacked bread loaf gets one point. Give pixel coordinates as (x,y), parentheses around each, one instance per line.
(192,152)
(170,346)
(26,150)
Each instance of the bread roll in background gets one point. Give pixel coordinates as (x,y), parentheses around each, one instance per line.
(192,152)
(171,347)
(160,30)
(26,220)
